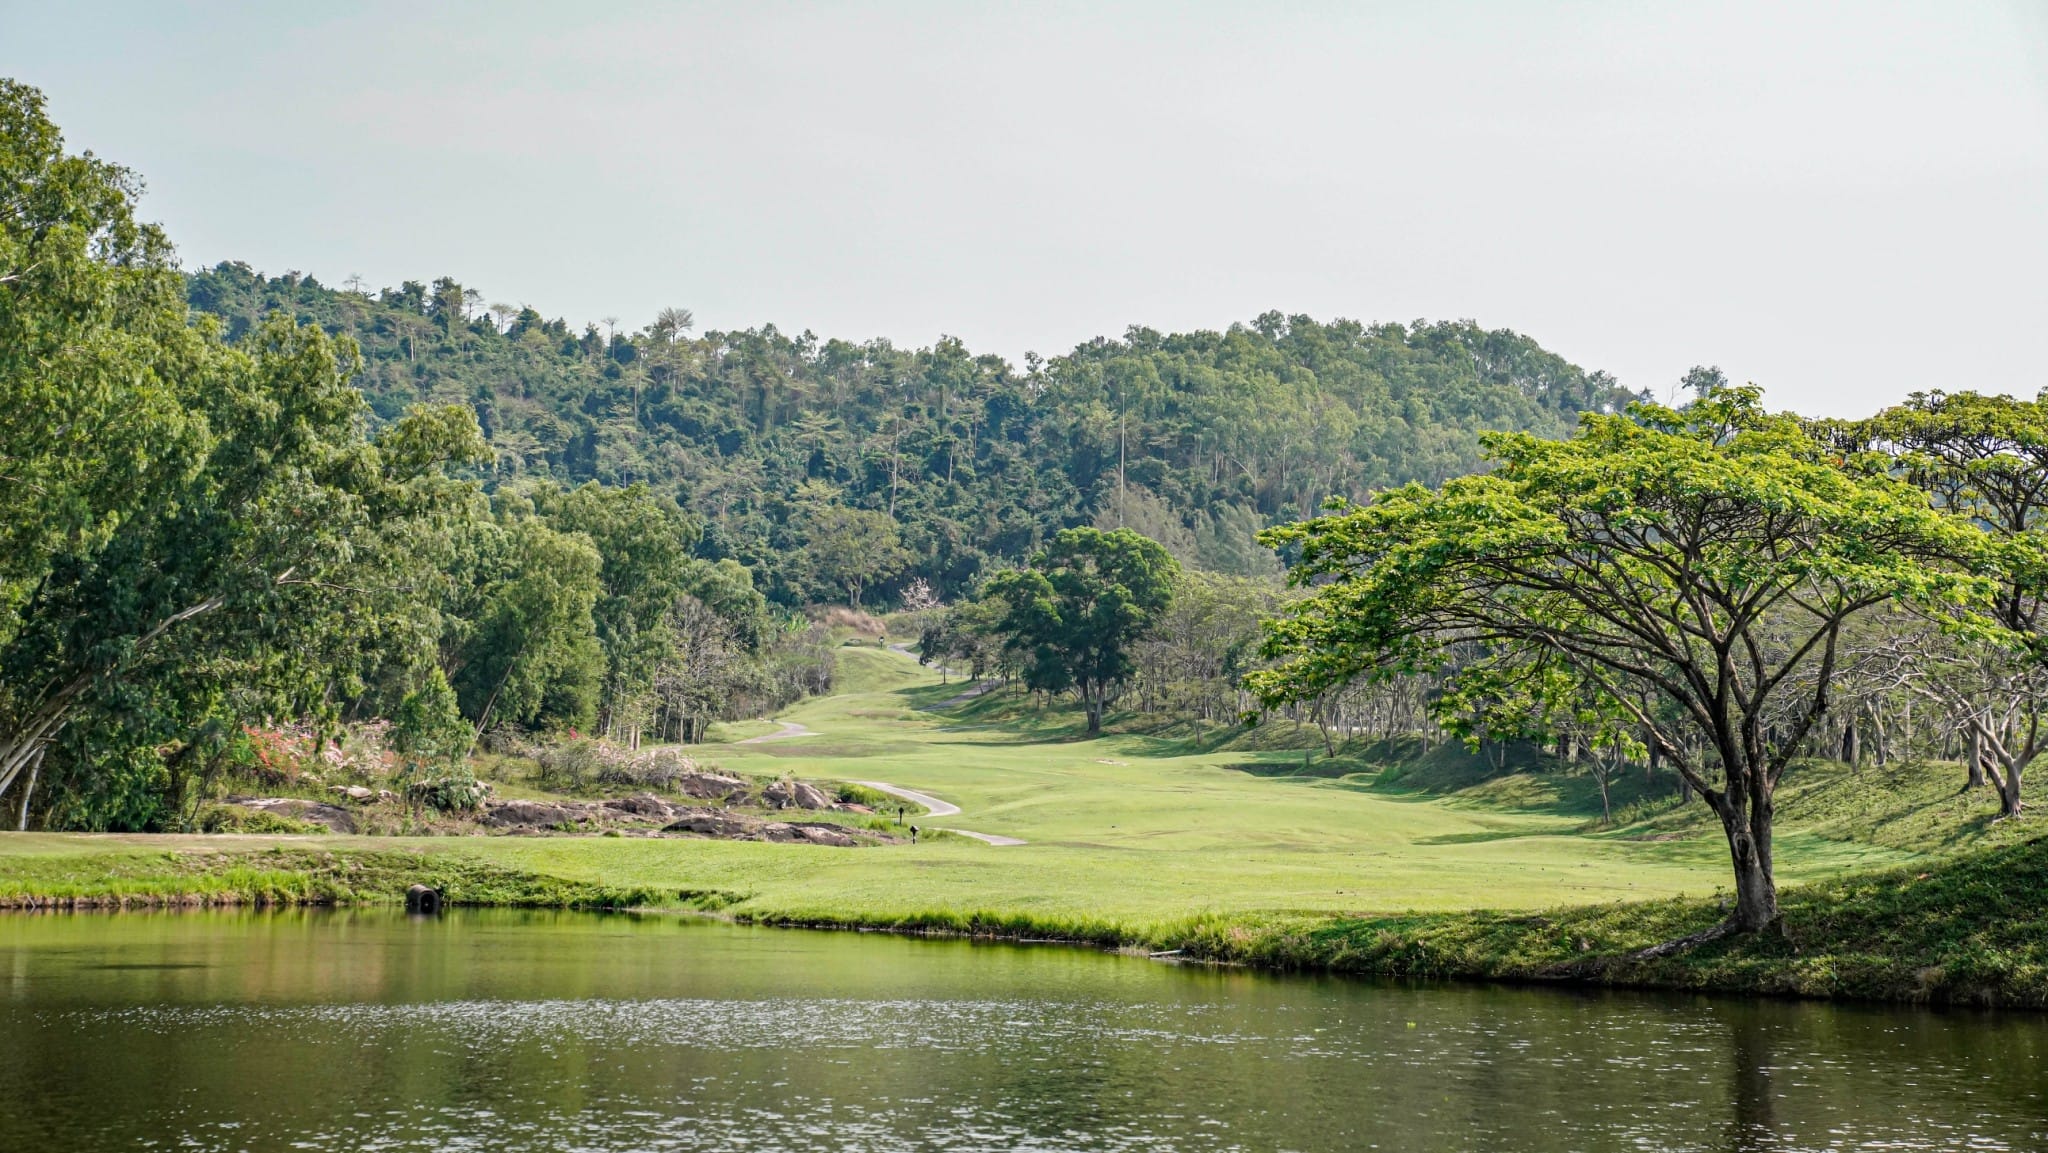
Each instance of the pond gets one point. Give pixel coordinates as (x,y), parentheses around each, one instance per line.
(353,1030)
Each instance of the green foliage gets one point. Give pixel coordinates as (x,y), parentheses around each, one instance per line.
(1072,617)
(1707,561)
(849,547)
(454,790)
(1198,648)
(1983,459)
(202,533)
(428,728)
(525,647)
(643,543)
(976,461)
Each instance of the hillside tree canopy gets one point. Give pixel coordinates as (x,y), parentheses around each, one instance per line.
(943,465)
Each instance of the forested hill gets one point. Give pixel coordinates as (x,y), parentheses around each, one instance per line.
(835,469)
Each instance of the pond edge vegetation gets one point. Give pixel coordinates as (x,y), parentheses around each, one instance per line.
(1950,932)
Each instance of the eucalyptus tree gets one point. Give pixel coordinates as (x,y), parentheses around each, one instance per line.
(1707,560)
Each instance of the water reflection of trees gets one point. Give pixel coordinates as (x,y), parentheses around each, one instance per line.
(560,1026)
(1753,1101)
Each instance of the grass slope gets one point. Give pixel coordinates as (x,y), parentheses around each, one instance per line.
(1967,930)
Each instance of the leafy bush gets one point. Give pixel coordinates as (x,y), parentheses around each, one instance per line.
(276,756)
(852,794)
(658,768)
(569,765)
(576,764)
(450,793)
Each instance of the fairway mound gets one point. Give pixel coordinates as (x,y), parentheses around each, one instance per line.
(1323,770)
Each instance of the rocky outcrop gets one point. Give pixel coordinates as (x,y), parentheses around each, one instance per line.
(644,805)
(739,827)
(811,833)
(710,786)
(715,823)
(331,817)
(796,795)
(536,816)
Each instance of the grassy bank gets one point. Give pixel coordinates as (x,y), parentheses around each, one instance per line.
(119,873)
(1232,848)
(1963,930)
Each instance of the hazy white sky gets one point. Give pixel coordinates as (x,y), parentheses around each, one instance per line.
(1842,202)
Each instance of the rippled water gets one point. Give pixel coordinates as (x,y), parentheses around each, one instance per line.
(508,1031)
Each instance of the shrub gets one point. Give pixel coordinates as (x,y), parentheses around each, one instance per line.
(852,794)
(570,764)
(578,763)
(277,756)
(450,793)
(657,768)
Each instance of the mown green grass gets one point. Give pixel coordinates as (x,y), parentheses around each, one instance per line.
(1227,846)
(120,871)
(1964,930)
(1143,829)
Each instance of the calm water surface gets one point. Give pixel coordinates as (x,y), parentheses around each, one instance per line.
(543,1031)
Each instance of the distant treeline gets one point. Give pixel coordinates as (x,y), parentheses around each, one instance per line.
(845,471)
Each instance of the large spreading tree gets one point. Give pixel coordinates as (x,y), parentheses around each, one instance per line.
(1983,459)
(1685,576)
(1072,617)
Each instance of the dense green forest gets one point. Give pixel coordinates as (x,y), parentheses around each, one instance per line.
(835,470)
(208,538)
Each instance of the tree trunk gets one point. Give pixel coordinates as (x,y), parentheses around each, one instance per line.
(2009,803)
(1973,756)
(28,791)
(1747,823)
(1092,701)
